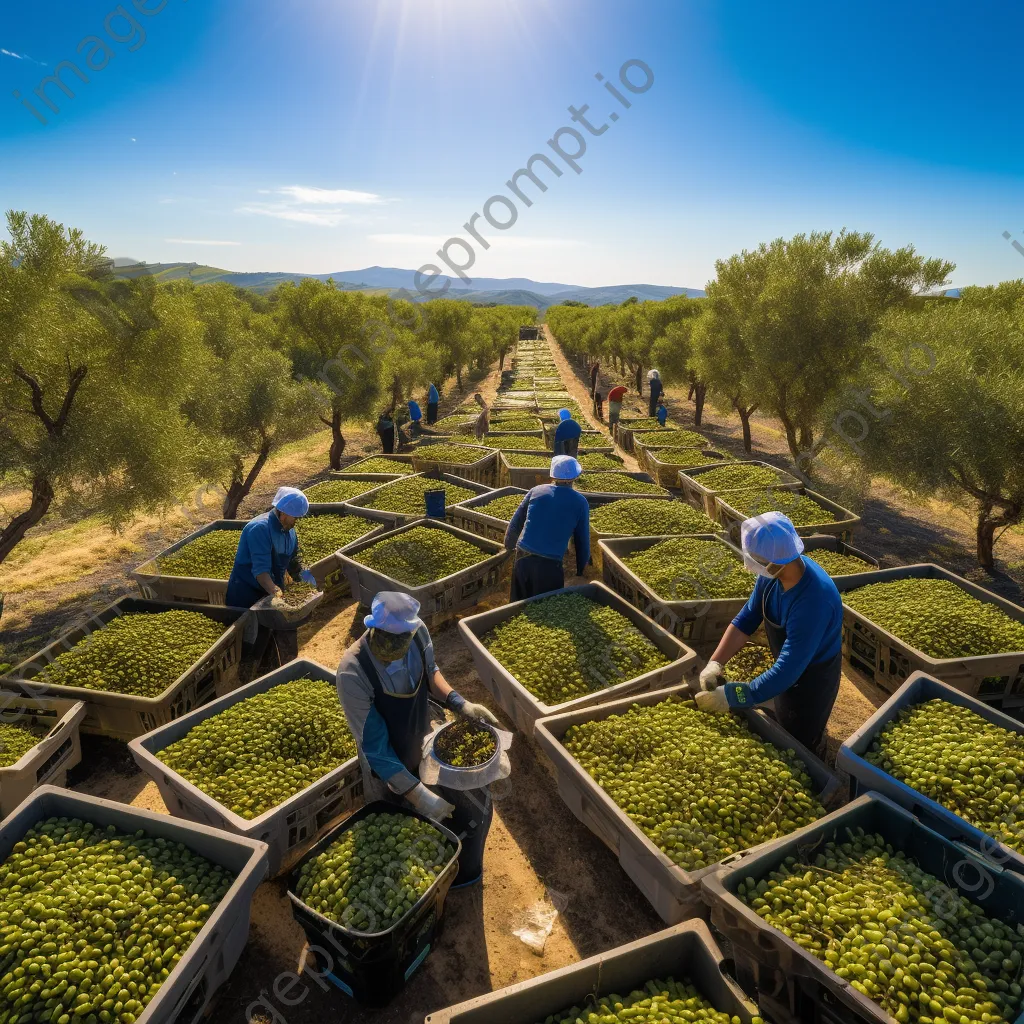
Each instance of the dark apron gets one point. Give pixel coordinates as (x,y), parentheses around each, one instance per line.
(431,412)
(535,574)
(407,716)
(803,710)
(387,439)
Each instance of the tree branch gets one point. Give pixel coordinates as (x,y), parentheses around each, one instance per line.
(75,378)
(37,398)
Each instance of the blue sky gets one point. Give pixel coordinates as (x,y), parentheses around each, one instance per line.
(326,135)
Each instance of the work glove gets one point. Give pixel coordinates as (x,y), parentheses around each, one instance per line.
(479,712)
(711,675)
(307,577)
(714,702)
(429,803)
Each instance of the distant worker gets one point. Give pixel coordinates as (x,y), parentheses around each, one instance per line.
(595,373)
(541,528)
(615,397)
(386,431)
(385,680)
(661,412)
(432,399)
(656,391)
(802,614)
(483,421)
(567,434)
(599,406)
(268,550)
(415,418)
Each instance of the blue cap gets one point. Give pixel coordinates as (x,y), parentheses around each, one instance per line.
(291,501)
(771,537)
(394,612)
(565,467)
(564,414)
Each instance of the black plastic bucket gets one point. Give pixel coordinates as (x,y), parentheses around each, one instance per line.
(435,503)
(471,821)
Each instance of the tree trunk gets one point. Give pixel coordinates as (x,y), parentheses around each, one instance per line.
(501,359)
(396,393)
(791,440)
(988,523)
(699,392)
(639,379)
(806,438)
(337,440)
(42,496)
(240,488)
(745,412)
(458,376)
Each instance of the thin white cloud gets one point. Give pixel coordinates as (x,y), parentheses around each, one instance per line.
(306,204)
(199,241)
(328,196)
(21,56)
(495,238)
(326,218)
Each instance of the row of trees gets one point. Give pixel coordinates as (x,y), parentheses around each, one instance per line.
(119,395)
(834,337)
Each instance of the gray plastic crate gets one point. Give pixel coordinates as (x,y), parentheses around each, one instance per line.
(1000,894)
(124,716)
(354,468)
(672,891)
(696,622)
(369,480)
(596,500)
(685,951)
(482,471)
(289,829)
(208,962)
(400,518)
(648,438)
(688,481)
(523,707)
(826,543)
(994,678)
(467,516)
(919,689)
(664,466)
(156,586)
(47,763)
(328,571)
(624,432)
(843,525)
(611,494)
(440,599)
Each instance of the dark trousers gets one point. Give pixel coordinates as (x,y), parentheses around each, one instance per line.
(568,447)
(804,709)
(535,575)
(387,440)
(431,412)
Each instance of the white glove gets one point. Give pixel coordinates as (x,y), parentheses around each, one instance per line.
(478,711)
(711,675)
(429,803)
(277,601)
(714,702)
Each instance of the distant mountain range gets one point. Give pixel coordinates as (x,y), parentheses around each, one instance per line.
(514,291)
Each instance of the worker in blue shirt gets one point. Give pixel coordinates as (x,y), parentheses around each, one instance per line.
(802,614)
(432,399)
(415,418)
(661,412)
(540,530)
(385,680)
(268,549)
(567,434)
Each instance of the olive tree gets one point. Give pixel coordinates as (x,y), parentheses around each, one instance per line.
(947,408)
(93,372)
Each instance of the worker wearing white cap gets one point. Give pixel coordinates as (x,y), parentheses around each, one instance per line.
(268,548)
(802,614)
(656,390)
(384,681)
(541,528)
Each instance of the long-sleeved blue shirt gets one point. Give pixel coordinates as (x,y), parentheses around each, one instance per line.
(414,411)
(366,722)
(812,615)
(546,518)
(432,395)
(262,543)
(567,430)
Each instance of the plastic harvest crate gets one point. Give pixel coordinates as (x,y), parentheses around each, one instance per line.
(611,495)
(354,468)
(685,951)
(368,480)
(523,707)
(525,477)
(595,501)
(688,481)
(440,599)
(328,571)
(624,433)
(695,622)
(288,829)
(672,891)
(155,586)
(125,716)
(843,525)
(996,678)
(401,518)
(207,963)
(372,967)
(919,689)
(1002,896)
(47,763)
(466,516)
(664,467)
(482,471)
(826,543)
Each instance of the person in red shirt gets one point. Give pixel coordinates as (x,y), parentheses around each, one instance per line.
(615,397)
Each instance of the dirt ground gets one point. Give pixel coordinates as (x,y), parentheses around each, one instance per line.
(536,848)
